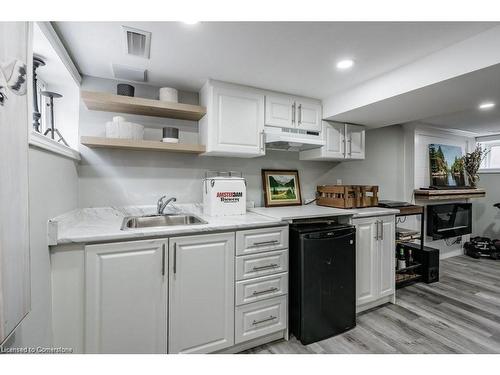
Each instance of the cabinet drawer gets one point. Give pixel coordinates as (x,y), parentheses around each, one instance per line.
(260,319)
(263,264)
(261,240)
(261,288)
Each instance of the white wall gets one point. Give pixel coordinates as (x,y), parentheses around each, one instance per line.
(117,177)
(487,217)
(53,190)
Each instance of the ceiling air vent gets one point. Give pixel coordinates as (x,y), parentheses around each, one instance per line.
(137,42)
(129,73)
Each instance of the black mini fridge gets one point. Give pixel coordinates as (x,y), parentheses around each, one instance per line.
(322,280)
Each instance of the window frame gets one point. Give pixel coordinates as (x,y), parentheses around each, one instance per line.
(488,143)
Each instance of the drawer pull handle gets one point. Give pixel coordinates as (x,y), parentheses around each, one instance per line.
(265,267)
(264,243)
(270,290)
(255,322)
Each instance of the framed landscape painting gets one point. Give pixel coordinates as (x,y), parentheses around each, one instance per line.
(446,166)
(281,188)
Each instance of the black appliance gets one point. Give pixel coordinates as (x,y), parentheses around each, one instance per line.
(449,220)
(428,257)
(322,280)
(479,247)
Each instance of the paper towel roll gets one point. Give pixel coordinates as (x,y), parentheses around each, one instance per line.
(169,94)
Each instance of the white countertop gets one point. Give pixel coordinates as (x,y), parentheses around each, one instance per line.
(312,210)
(101,224)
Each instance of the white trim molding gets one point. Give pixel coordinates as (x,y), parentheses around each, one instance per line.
(48,144)
(489,171)
(51,34)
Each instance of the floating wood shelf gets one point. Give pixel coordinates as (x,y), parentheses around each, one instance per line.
(129,144)
(102,101)
(437,195)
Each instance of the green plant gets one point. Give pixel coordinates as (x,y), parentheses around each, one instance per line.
(472,162)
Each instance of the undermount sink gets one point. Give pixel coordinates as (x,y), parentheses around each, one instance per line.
(155,221)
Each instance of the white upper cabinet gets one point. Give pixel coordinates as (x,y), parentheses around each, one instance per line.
(125,300)
(287,111)
(201,293)
(280,111)
(234,124)
(355,138)
(308,115)
(342,142)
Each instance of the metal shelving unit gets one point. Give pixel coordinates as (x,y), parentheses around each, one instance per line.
(410,275)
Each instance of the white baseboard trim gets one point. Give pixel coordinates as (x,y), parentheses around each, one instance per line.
(255,342)
(452,253)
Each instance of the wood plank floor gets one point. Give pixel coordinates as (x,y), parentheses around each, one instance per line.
(459,314)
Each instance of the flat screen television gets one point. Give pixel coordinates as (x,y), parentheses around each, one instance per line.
(446,166)
(449,220)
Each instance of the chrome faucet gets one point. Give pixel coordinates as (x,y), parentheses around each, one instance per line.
(160,205)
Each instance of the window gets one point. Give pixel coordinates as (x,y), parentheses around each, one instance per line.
(492,159)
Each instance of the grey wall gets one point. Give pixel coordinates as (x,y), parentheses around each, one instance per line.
(486,217)
(53,189)
(383,165)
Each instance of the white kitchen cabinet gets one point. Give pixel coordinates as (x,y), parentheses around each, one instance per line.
(286,111)
(375,268)
(125,294)
(308,114)
(355,141)
(201,293)
(387,262)
(366,260)
(280,111)
(342,142)
(260,318)
(234,124)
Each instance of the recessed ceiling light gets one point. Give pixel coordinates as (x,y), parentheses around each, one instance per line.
(486,105)
(345,64)
(190,22)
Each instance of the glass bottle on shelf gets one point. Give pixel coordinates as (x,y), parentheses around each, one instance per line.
(410,258)
(401,259)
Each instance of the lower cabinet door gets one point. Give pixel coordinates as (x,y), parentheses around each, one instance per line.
(260,318)
(125,297)
(366,260)
(201,293)
(386,256)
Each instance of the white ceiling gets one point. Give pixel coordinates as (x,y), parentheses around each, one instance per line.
(292,57)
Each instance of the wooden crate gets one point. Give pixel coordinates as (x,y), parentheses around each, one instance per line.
(347,196)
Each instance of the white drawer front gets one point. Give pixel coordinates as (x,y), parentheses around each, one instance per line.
(261,240)
(261,288)
(263,264)
(260,319)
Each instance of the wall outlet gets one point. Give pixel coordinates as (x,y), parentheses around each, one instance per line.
(339,181)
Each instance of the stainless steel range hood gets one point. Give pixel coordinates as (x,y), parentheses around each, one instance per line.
(285,139)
